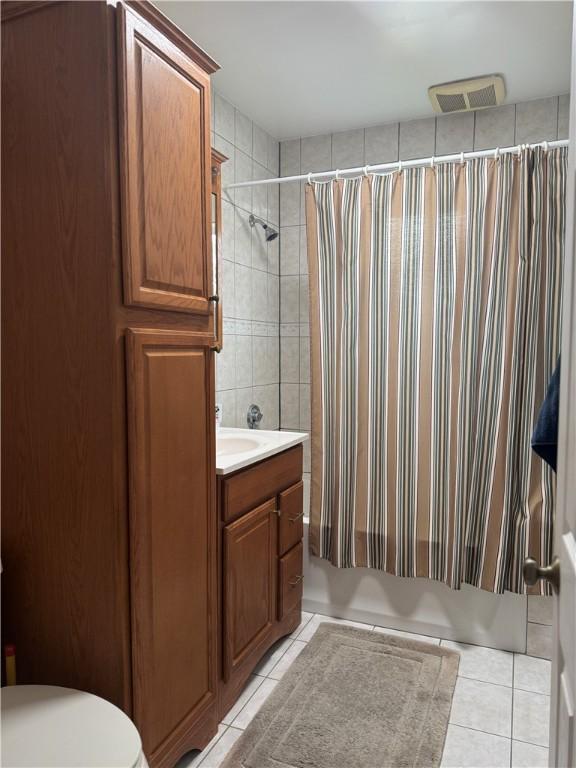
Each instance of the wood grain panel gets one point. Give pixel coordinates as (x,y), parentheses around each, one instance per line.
(249,583)
(64,526)
(172,530)
(248,487)
(291,517)
(166,171)
(291,581)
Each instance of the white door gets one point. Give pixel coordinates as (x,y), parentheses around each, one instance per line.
(562,719)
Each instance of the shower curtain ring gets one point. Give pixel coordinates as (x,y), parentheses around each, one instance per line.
(337,174)
(496,153)
(310,178)
(399,166)
(366,171)
(545,146)
(432,161)
(461,158)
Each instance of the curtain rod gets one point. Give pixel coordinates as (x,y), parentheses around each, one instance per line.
(398,165)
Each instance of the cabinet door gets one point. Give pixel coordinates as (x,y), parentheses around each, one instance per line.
(249,584)
(165,171)
(173,531)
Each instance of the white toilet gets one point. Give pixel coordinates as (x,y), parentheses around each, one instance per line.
(48,727)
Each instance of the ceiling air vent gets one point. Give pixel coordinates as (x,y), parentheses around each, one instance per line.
(464,95)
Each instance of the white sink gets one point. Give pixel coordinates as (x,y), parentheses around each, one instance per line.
(238,448)
(227,445)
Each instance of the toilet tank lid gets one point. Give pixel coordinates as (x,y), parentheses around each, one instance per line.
(63,728)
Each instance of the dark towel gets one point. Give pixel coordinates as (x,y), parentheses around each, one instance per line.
(545,437)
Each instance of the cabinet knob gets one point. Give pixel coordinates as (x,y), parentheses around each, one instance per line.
(533,573)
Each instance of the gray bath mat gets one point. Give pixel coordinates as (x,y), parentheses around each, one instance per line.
(354,699)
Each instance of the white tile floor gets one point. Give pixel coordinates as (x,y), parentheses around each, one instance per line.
(499,715)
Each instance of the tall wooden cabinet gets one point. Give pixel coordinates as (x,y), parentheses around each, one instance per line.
(109,528)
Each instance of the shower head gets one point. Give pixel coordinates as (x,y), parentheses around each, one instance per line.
(269,232)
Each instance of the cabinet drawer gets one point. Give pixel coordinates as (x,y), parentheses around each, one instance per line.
(250,487)
(291,578)
(291,509)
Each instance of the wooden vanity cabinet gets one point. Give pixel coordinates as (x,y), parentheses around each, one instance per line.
(109,519)
(261,510)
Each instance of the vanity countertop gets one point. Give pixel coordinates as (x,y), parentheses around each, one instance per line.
(238,448)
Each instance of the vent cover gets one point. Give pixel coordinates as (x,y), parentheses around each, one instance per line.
(464,95)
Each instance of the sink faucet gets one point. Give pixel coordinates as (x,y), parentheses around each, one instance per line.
(254,417)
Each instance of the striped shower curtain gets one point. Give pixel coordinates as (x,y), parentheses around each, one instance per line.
(434,308)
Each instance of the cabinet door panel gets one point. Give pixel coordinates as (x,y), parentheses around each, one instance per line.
(172,530)
(166,171)
(249,583)
(291,525)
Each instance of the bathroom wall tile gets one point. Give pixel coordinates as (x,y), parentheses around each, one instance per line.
(539,640)
(289,359)
(259,192)
(466,748)
(227,400)
(495,127)
(303,251)
(289,329)
(223,118)
(381,144)
(242,132)
(290,251)
(531,716)
(316,153)
(536,120)
(289,205)
(486,664)
(228,230)
(267,398)
(273,192)
(532,674)
(563,116)
(274,256)
(274,359)
(243,376)
(259,145)
(290,157)
(244,399)
(253,705)
(528,755)
(243,172)
(260,361)
(283,665)
(540,609)
(417,138)
(243,292)
(259,249)
(348,149)
(304,407)
(242,238)
(290,405)
(226,365)
(454,133)
(259,295)
(305,360)
(273,156)
(226,289)
(289,299)
(304,299)
(305,329)
(482,706)
(274,300)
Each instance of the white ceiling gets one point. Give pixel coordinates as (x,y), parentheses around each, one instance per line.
(304,68)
